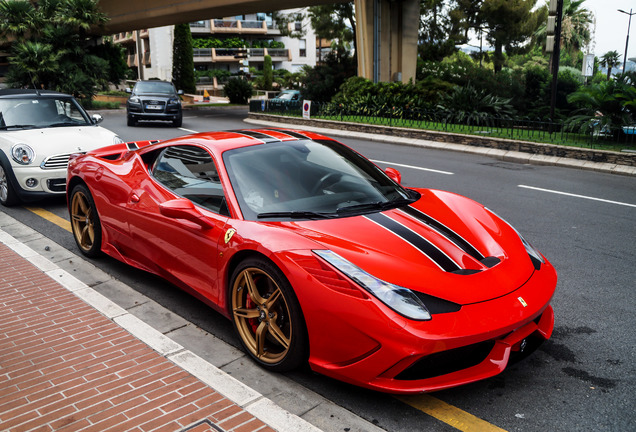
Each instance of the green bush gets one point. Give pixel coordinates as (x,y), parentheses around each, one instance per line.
(238,90)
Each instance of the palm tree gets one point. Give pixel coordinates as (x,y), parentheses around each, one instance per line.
(575,27)
(50,44)
(610,59)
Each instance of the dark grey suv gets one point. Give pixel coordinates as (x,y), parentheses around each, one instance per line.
(154,100)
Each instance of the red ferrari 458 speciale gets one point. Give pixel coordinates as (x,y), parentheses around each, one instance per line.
(319,256)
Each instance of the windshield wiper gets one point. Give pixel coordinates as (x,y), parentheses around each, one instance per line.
(295,215)
(61,124)
(19,126)
(376,205)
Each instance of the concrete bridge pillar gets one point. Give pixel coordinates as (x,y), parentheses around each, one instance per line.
(386,38)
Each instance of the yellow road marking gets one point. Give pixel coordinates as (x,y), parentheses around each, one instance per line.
(449,414)
(432,406)
(51,217)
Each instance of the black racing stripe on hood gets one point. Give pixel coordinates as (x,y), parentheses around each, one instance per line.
(258,135)
(290,133)
(442,229)
(426,247)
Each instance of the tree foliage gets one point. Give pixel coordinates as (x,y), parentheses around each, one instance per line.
(510,25)
(238,90)
(267,73)
(53,49)
(610,60)
(182,59)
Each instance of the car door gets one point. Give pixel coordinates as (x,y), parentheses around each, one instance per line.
(183,250)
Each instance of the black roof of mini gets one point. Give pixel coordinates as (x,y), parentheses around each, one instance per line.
(30,93)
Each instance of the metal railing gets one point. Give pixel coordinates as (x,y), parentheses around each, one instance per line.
(518,128)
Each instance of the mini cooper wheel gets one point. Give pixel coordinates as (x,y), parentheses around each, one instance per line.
(85,223)
(267,316)
(8,196)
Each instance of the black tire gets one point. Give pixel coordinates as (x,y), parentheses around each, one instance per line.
(85,223)
(267,316)
(8,196)
(178,121)
(131,121)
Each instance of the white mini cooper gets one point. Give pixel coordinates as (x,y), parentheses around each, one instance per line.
(39,130)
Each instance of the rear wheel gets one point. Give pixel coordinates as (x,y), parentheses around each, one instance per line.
(267,315)
(8,196)
(85,223)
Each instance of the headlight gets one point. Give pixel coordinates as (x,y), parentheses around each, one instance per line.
(174,101)
(535,256)
(401,300)
(118,140)
(22,154)
(134,100)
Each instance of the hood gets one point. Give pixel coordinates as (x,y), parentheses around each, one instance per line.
(443,245)
(47,142)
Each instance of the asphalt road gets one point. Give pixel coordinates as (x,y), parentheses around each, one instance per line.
(584,222)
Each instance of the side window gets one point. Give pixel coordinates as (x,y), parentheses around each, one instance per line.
(190,172)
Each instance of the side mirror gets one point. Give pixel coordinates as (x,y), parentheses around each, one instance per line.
(184,209)
(128,90)
(180,92)
(97,118)
(394,175)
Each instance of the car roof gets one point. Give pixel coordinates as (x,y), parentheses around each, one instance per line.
(31,93)
(220,141)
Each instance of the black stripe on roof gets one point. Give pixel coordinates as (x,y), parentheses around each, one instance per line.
(258,135)
(451,235)
(290,133)
(426,247)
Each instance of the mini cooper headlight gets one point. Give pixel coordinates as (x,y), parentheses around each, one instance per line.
(118,140)
(401,300)
(22,154)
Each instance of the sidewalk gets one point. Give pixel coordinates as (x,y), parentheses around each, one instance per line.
(70,359)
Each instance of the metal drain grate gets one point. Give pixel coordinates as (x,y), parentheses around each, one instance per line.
(203,422)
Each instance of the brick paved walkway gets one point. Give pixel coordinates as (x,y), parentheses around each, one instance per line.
(66,367)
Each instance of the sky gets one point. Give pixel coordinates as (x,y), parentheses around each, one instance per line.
(611,26)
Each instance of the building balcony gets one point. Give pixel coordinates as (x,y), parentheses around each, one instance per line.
(229,27)
(229,55)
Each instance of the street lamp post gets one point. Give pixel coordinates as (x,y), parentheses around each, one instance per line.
(629,24)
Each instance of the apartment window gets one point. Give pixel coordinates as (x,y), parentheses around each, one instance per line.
(302,45)
(298,26)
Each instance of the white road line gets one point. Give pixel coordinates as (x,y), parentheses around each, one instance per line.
(188,130)
(413,167)
(577,196)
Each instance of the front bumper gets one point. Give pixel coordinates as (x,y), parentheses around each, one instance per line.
(362,342)
(48,182)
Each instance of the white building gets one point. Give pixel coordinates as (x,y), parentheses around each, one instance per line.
(152,48)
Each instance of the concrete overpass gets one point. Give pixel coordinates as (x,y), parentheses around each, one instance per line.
(386,29)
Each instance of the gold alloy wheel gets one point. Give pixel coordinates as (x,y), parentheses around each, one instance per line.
(261,315)
(82,221)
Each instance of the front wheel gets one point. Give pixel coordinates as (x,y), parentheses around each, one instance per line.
(85,223)
(267,316)
(131,121)
(8,196)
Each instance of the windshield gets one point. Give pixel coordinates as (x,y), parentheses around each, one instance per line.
(286,96)
(154,87)
(308,180)
(30,113)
